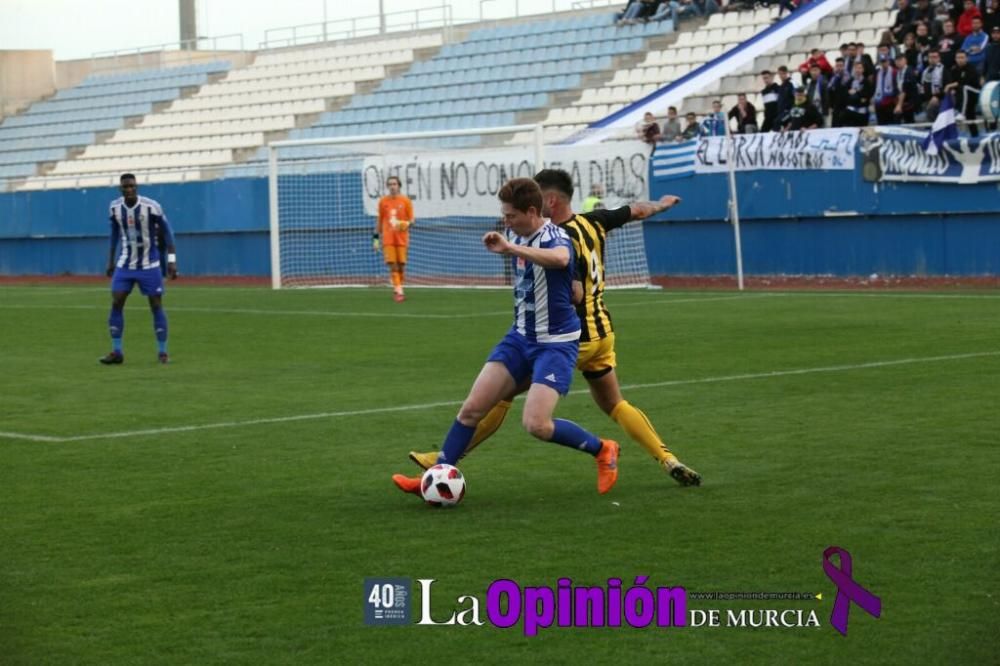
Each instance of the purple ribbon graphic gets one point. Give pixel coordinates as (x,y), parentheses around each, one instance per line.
(847,590)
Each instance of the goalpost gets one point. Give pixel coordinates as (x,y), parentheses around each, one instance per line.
(323,196)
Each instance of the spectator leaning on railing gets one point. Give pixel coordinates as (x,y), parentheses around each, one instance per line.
(691,128)
(962,77)
(745,115)
(648,129)
(714,123)
(932,83)
(671,129)
(803,115)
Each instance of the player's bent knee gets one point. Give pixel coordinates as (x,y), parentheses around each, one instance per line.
(541,428)
(471,414)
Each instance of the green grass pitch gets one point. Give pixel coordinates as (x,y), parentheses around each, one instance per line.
(226,508)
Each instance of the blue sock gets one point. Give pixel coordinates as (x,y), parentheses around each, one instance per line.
(456,442)
(570,434)
(160,327)
(116,326)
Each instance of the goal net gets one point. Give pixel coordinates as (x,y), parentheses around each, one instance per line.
(324,197)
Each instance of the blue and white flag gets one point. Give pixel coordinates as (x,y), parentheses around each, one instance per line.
(674,160)
(943,129)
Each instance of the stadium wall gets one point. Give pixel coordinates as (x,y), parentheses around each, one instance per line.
(794,223)
(827,223)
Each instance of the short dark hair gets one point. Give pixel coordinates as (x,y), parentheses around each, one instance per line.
(522,194)
(766,72)
(555,179)
(394,178)
(126,176)
(845,45)
(783,69)
(672,108)
(934,51)
(839,60)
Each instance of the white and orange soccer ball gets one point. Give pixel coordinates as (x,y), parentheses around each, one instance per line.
(442,485)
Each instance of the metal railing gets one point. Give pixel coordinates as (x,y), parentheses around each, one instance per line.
(425,18)
(144,56)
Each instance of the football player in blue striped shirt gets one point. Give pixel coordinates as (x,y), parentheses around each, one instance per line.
(540,349)
(137,222)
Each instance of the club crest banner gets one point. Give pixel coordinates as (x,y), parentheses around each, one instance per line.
(897,154)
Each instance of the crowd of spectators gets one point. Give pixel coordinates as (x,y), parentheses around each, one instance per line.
(644,11)
(932,49)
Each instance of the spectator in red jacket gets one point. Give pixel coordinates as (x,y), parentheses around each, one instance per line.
(818,58)
(965,20)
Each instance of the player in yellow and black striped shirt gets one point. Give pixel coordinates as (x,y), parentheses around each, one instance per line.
(596,358)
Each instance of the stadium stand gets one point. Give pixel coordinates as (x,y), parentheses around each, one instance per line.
(697,42)
(206,120)
(226,120)
(79,118)
(495,76)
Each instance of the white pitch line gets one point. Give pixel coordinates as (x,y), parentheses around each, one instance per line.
(455,403)
(29,437)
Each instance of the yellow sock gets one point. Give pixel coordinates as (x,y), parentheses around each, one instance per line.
(402,275)
(489,425)
(638,427)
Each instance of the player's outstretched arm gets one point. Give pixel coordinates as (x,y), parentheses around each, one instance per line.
(546,257)
(643,209)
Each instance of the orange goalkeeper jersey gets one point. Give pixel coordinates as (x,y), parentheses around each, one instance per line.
(400,209)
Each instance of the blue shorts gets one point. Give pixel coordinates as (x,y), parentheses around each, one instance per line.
(149,279)
(548,363)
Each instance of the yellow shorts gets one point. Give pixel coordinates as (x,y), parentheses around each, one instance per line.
(596,357)
(395,254)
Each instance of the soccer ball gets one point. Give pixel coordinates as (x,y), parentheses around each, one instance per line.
(442,485)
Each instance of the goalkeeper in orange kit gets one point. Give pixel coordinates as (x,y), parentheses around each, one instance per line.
(395,215)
